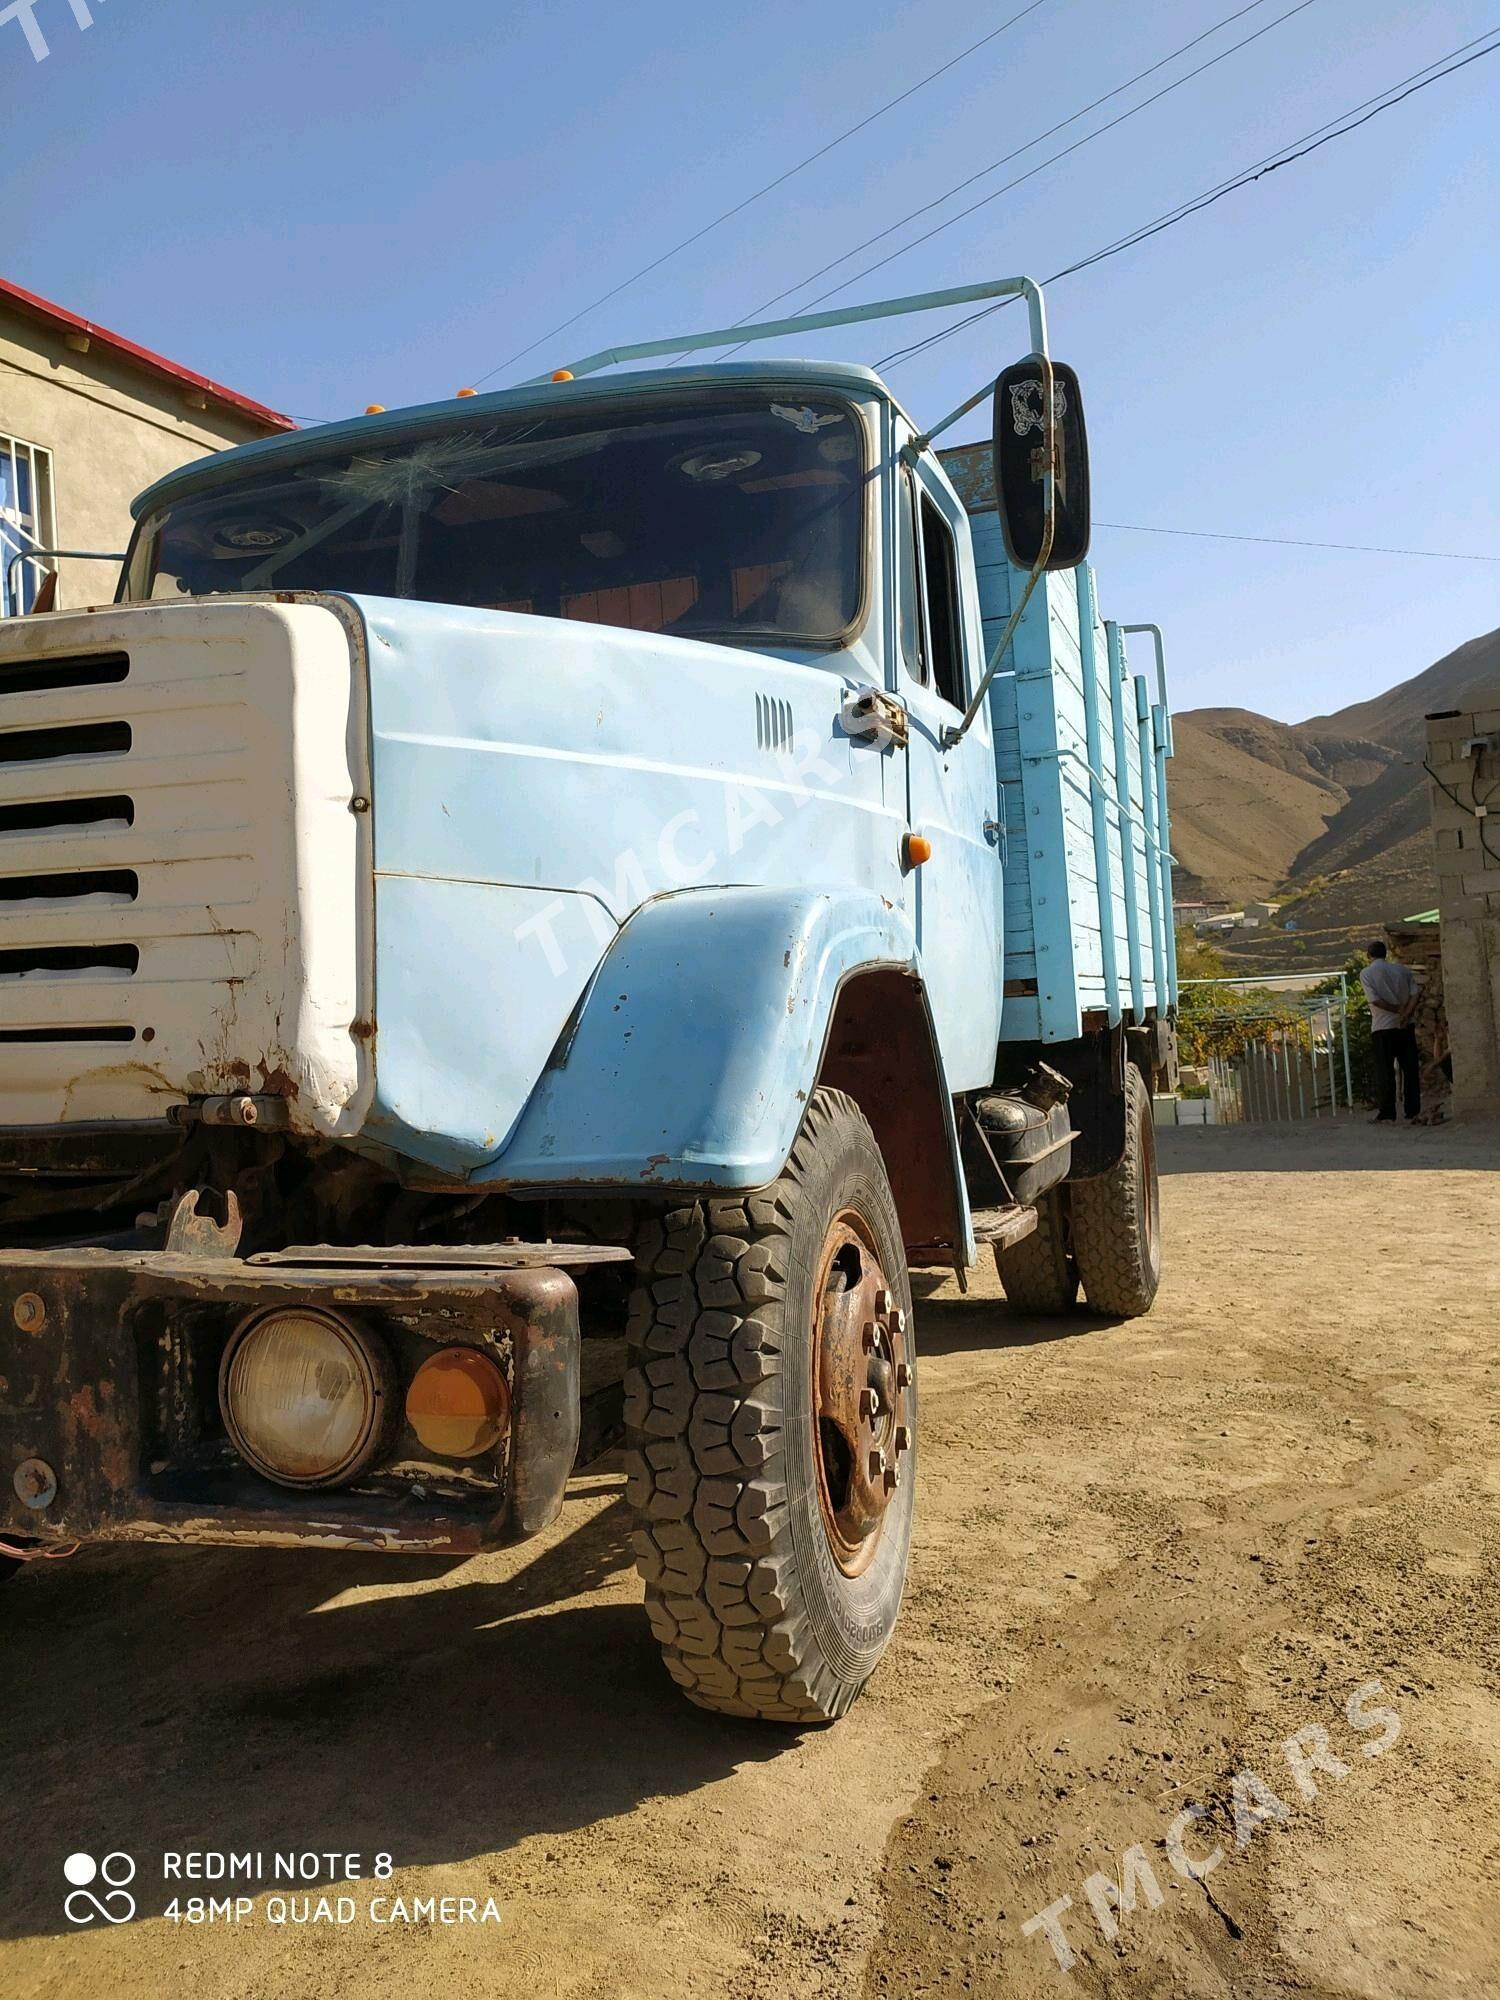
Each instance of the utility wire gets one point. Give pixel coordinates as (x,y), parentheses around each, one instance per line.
(926,208)
(760,193)
(1479,815)
(1321,135)
(1293,542)
(1345,123)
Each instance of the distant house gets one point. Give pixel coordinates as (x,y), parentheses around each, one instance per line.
(1260,913)
(87,419)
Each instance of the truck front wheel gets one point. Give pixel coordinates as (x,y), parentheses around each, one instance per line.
(771,1411)
(1117,1217)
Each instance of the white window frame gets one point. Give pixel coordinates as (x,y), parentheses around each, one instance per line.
(36,529)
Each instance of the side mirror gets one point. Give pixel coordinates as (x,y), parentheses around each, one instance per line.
(1021,465)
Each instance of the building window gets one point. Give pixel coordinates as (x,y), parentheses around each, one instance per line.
(27,519)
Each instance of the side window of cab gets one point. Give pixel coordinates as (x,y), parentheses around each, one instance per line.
(930,623)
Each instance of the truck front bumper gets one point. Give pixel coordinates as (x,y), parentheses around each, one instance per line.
(110,1426)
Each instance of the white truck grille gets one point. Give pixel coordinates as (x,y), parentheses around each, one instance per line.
(184,888)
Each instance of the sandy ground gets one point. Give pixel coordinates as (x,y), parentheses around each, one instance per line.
(1147,1555)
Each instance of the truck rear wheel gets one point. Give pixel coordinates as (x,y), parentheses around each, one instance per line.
(1038,1273)
(770,1412)
(1117,1217)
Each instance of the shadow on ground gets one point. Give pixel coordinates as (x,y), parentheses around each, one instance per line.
(975,1326)
(1328,1146)
(972,1324)
(162,1699)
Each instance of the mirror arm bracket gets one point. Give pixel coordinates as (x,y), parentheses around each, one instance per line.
(955,732)
(1031,291)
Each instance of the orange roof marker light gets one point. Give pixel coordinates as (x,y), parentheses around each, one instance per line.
(374,409)
(468,392)
(915,849)
(562,375)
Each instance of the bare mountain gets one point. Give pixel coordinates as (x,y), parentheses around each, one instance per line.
(1396,717)
(1330,813)
(1245,802)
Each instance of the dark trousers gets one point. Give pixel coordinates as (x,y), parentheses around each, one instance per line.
(1397,1048)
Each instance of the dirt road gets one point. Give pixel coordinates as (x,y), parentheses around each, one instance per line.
(1147,1555)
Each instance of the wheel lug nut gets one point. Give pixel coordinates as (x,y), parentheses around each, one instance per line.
(869,1403)
(892,1479)
(867,1336)
(898,1322)
(902,1439)
(882,1300)
(877,1464)
(903,1375)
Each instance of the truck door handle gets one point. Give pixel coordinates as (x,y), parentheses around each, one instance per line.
(870,715)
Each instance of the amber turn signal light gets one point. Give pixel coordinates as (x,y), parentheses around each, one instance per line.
(458,1403)
(915,849)
(562,374)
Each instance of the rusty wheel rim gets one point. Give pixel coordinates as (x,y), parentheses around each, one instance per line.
(862,1384)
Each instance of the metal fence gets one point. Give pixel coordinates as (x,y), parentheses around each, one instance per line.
(1292,1073)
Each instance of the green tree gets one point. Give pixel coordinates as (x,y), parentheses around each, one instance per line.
(1217,1019)
(1197,958)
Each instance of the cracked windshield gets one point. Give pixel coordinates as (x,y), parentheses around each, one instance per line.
(737,521)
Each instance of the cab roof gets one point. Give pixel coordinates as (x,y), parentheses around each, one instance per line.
(845,378)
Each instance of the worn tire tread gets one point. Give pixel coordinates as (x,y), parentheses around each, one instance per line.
(703,1448)
(1038,1274)
(1114,1259)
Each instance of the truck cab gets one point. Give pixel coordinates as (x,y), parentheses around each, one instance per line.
(518,927)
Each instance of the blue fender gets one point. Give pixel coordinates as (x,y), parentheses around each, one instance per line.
(698,1043)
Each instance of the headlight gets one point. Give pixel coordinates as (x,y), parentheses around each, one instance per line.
(304,1396)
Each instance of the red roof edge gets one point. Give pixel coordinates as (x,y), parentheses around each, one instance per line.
(142,357)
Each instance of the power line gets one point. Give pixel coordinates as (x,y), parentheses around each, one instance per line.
(759,194)
(1478,814)
(1292,542)
(1335,128)
(1345,123)
(926,208)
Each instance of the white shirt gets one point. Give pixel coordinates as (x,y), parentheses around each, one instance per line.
(1388,986)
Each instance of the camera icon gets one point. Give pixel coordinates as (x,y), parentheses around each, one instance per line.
(116,1871)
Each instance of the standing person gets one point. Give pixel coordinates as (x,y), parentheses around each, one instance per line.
(1391,989)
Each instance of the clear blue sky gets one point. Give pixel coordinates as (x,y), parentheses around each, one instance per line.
(373,200)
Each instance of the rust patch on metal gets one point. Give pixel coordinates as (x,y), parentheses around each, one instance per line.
(862,1376)
(879,1050)
(102,1426)
(277,1082)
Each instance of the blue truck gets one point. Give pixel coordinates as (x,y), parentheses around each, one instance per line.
(521,923)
